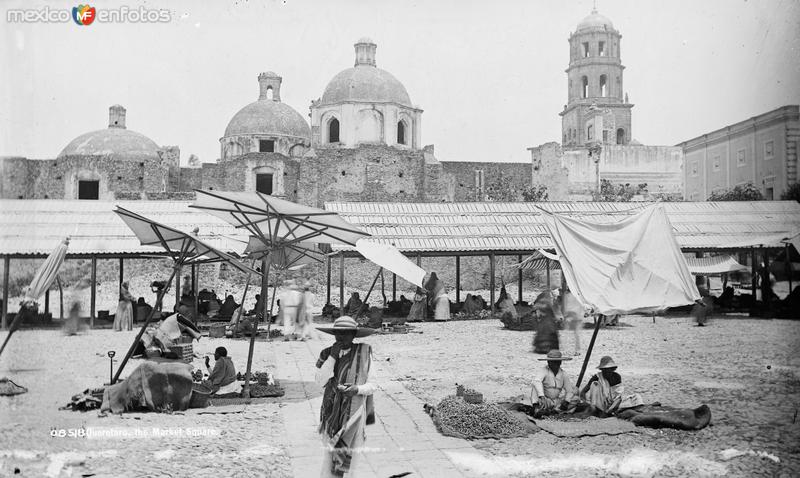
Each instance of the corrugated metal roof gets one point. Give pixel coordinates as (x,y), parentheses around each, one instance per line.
(34,227)
(518,227)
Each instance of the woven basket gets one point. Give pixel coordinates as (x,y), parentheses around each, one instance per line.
(473,397)
(200,394)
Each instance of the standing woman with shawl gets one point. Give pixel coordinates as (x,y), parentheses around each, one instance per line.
(438,298)
(419,308)
(123,320)
(343,371)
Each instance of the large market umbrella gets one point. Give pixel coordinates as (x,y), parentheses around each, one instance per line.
(41,282)
(278,224)
(183,248)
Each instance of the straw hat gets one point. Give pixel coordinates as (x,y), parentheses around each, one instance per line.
(607,362)
(555,355)
(346,323)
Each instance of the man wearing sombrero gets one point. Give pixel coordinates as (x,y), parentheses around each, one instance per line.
(554,390)
(604,390)
(347,400)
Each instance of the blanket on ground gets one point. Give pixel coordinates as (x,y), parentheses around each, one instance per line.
(591,426)
(658,416)
(152,386)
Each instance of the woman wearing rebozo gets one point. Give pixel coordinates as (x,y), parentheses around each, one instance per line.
(438,298)
(123,320)
(343,371)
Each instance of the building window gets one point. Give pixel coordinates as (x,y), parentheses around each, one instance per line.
(333,131)
(401,132)
(716,163)
(585,87)
(479,184)
(269,93)
(605,136)
(266,146)
(88,189)
(694,168)
(589,131)
(603,86)
(620,136)
(586,50)
(264,183)
(741,159)
(769,150)
(769,194)
(601,48)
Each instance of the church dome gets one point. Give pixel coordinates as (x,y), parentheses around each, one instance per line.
(595,20)
(365,82)
(116,140)
(268,116)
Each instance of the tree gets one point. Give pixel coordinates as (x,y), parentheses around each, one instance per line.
(792,194)
(741,192)
(501,190)
(537,193)
(194,161)
(610,192)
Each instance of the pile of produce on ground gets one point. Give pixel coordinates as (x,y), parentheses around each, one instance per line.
(89,399)
(524,322)
(482,314)
(454,417)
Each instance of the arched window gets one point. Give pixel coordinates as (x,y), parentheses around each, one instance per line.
(603,86)
(333,131)
(269,92)
(401,132)
(620,136)
(589,131)
(585,87)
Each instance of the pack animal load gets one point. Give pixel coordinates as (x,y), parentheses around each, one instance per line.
(457,418)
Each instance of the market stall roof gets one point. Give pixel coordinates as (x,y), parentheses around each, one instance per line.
(714,265)
(512,228)
(30,228)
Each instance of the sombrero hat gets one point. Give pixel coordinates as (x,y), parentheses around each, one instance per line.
(607,362)
(346,323)
(555,355)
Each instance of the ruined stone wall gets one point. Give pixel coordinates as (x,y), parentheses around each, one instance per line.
(462,184)
(366,173)
(239,174)
(548,170)
(15,178)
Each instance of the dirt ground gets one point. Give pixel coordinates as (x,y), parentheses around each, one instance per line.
(747,371)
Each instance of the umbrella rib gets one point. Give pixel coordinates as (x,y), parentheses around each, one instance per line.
(163,241)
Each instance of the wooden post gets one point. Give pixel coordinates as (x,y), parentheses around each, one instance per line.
(419,259)
(265,263)
(766,287)
(458,279)
(93,299)
(364,304)
(47,301)
(547,266)
(178,288)
(328,280)
(519,280)
(121,271)
(60,299)
(754,273)
(195,287)
(394,287)
(589,351)
(491,280)
(341,283)
(789,267)
(6,267)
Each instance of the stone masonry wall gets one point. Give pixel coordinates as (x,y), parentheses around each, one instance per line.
(460,179)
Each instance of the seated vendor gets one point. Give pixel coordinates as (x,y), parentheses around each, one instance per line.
(506,304)
(554,390)
(604,390)
(224,372)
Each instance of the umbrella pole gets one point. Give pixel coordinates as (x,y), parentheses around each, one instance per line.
(588,353)
(265,263)
(361,309)
(271,305)
(161,294)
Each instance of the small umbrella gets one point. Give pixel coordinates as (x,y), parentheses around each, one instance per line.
(278,224)
(183,248)
(42,281)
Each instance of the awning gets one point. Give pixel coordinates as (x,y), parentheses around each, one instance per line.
(538,261)
(388,257)
(713,265)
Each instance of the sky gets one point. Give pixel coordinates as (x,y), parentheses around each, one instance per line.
(489,75)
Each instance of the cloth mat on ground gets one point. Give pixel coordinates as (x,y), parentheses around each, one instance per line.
(7,387)
(591,426)
(223,402)
(660,416)
(218,409)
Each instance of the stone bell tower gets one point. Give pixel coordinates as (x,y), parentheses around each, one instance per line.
(597,109)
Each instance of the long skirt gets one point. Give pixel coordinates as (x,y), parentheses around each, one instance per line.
(442,308)
(418,311)
(123,320)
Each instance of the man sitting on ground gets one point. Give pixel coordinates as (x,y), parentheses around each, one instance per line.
(604,390)
(224,372)
(554,390)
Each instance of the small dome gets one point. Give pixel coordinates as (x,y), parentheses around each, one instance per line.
(365,83)
(118,142)
(268,117)
(595,20)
